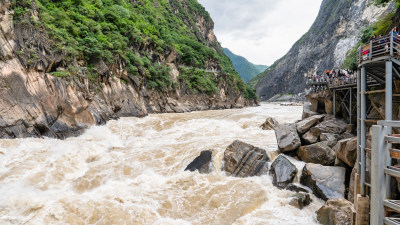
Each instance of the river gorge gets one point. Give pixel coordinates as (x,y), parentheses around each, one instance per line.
(131,171)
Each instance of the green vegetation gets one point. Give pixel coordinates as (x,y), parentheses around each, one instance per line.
(136,34)
(199,80)
(246,69)
(60,74)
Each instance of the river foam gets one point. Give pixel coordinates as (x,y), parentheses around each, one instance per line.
(131,171)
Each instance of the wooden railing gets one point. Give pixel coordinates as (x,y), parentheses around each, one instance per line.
(388,45)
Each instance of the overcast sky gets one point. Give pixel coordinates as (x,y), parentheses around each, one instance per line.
(261,30)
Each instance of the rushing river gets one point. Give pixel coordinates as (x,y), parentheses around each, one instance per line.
(131,171)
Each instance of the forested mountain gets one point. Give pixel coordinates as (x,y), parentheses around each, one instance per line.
(246,69)
(65,65)
(338,27)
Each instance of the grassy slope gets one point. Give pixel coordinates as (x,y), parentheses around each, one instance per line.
(137,33)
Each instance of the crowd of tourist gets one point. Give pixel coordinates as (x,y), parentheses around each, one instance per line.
(381,45)
(334,77)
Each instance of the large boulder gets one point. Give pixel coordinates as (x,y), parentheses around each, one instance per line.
(269,124)
(319,153)
(287,137)
(300,200)
(332,139)
(309,138)
(333,126)
(304,125)
(283,172)
(336,212)
(326,182)
(346,150)
(244,160)
(202,163)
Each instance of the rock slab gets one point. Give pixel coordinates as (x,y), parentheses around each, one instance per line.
(244,160)
(319,153)
(336,212)
(283,172)
(287,137)
(269,124)
(332,126)
(326,182)
(346,150)
(304,125)
(202,163)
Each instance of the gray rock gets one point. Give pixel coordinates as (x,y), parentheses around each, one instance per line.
(283,172)
(307,111)
(296,188)
(333,126)
(319,153)
(304,125)
(202,163)
(336,212)
(244,160)
(300,200)
(352,185)
(332,139)
(326,182)
(346,135)
(269,124)
(309,138)
(287,137)
(346,150)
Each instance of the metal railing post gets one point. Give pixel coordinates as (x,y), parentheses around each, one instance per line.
(378,158)
(350,106)
(391,43)
(370,49)
(358,121)
(388,114)
(363,126)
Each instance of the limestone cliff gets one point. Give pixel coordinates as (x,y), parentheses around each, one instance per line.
(39,98)
(335,31)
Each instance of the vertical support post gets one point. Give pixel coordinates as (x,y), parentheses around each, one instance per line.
(350,106)
(334,103)
(378,161)
(358,121)
(388,115)
(363,127)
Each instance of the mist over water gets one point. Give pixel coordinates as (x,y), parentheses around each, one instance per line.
(131,171)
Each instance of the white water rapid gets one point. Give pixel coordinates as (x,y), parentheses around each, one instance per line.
(131,171)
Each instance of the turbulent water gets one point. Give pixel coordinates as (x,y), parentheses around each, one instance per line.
(131,171)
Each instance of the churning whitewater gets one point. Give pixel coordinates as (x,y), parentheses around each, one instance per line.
(131,171)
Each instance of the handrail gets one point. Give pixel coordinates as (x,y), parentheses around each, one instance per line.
(386,45)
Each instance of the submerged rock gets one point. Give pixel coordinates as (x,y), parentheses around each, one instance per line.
(319,153)
(326,182)
(336,212)
(202,163)
(244,160)
(304,125)
(346,150)
(287,137)
(269,124)
(283,172)
(296,188)
(300,200)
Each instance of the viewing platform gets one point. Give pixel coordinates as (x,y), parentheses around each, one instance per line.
(378,76)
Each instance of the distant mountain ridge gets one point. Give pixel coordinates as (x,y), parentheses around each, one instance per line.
(246,69)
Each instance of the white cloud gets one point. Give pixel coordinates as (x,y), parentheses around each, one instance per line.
(261,30)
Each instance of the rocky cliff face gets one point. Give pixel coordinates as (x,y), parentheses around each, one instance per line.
(335,31)
(35,102)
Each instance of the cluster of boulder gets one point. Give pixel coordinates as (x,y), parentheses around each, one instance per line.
(326,144)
